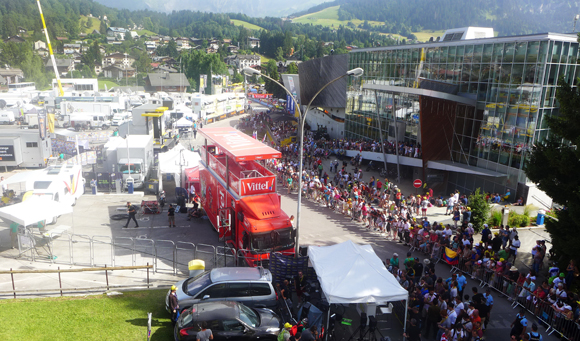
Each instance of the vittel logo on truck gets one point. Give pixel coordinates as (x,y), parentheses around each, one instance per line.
(258,186)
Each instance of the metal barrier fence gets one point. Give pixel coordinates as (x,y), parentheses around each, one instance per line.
(552,315)
(62,289)
(163,255)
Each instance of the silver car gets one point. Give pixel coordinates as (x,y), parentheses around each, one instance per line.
(250,286)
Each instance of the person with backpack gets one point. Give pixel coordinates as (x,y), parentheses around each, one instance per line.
(534,335)
(285,333)
(519,325)
(132,211)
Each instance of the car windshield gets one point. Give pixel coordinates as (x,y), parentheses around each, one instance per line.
(196,284)
(273,240)
(248,316)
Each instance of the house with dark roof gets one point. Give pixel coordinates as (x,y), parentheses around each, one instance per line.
(63,66)
(118,71)
(15,39)
(168,82)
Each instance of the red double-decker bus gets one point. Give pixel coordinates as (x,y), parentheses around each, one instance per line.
(239,195)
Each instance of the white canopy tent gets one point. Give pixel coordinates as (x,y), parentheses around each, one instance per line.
(351,273)
(183,123)
(177,159)
(33,210)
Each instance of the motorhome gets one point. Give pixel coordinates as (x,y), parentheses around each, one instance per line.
(64,183)
(89,121)
(6,117)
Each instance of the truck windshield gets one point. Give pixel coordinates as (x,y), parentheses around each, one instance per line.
(135,168)
(275,240)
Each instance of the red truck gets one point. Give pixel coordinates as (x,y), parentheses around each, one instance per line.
(239,195)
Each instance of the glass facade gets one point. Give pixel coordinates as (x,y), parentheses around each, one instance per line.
(513,79)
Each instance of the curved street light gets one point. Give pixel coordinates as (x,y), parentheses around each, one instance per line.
(302,118)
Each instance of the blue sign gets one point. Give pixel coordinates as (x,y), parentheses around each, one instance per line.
(290,104)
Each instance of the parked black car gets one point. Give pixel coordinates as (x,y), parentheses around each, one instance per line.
(228,320)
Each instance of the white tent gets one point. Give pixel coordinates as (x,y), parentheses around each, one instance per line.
(176,160)
(351,273)
(183,123)
(33,210)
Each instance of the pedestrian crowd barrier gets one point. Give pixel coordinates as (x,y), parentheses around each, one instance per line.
(163,255)
(511,285)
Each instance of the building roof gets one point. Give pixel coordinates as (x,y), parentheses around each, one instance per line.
(248,56)
(60,62)
(117,29)
(116,66)
(16,39)
(573,38)
(11,72)
(167,79)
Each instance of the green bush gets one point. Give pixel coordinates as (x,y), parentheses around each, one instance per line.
(518,220)
(480,209)
(495,218)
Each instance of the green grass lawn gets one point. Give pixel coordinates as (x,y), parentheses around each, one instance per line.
(328,17)
(264,59)
(426,34)
(147,32)
(98,317)
(95,24)
(246,25)
(108,83)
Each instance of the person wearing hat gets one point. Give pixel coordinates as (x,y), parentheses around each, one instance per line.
(285,333)
(496,242)
(485,234)
(394,260)
(173,305)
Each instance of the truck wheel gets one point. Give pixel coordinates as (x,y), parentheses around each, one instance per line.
(35,126)
(75,202)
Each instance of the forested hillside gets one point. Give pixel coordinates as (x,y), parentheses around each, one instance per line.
(508,17)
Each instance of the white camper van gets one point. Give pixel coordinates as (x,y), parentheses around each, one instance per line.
(64,183)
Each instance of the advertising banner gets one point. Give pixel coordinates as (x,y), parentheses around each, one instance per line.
(7,153)
(290,104)
(260,96)
(266,184)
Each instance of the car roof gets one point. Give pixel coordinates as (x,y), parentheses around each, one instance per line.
(216,310)
(240,274)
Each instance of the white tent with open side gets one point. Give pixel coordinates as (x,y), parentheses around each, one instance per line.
(176,160)
(351,273)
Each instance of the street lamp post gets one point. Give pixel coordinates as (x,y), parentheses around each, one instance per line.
(302,118)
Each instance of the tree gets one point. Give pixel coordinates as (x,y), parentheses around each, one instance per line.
(271,87)
(279,53)
(103,28)
(553,165)
(128,36)
(480,209)
(292,69)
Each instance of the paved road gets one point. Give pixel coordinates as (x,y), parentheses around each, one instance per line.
(319,226)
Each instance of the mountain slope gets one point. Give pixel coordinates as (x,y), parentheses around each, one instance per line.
(255,8)
(509,17)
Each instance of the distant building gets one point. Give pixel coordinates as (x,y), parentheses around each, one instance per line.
(118,71)
(168,82)
(116,31)
(15,39)
(39,44)
(242,61)
(12,75)
(253,42)
(118,58)
(64,66)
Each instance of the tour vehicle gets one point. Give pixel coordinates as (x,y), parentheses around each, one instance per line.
(239,195)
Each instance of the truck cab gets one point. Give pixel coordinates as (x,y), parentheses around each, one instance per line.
(133,168)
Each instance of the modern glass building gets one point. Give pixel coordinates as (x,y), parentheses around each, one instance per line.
(474,106)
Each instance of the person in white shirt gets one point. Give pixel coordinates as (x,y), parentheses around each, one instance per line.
(513,248)
(450,204)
